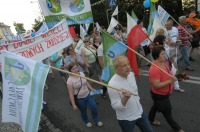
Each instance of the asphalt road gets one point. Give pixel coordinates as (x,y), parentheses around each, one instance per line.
(186,106)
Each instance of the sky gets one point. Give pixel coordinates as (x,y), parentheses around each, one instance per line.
(20,11)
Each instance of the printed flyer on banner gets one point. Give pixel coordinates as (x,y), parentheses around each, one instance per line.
(23,84)
(43,46)
(75,11)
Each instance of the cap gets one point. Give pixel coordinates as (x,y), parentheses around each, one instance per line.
(191,15)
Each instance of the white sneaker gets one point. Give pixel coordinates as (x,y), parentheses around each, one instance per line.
(100,124)
(89,124)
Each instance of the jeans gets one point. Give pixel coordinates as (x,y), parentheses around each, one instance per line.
(163,105)
(143,123)
(184,55)
(83,103)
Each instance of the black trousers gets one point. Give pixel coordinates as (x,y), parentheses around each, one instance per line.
(161,103)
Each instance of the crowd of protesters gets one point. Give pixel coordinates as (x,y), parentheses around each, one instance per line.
(171,47)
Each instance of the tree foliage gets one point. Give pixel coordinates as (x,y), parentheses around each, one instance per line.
(19,27)
(37,23)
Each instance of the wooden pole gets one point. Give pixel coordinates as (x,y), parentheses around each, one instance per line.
(92,80)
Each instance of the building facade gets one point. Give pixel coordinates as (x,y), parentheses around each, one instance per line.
(4,29)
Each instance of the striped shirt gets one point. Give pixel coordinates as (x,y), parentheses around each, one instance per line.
(183,33)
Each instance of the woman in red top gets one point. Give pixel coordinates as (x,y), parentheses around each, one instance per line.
(161,88)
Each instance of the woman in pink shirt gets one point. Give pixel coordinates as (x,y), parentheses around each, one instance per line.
(161,89)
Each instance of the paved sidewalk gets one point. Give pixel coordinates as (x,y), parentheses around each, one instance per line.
(45,124)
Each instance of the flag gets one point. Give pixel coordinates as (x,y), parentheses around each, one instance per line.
(42,29)
(133,15)
(163,15)
(113,23)
(23,85)
(153,13)
(82,32)
(72,32)
(111,49)
(115,12)
(98,27)
(156,24)
(75,11)
(87,25)
(79,46)
(135,36)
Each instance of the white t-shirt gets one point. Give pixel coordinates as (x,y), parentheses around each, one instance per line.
(133,109)
(173,33)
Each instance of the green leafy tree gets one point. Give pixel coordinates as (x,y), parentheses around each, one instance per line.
(37,23)
(19,27)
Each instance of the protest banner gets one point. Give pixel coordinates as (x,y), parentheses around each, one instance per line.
(75,12)
(23,83)
(43,46)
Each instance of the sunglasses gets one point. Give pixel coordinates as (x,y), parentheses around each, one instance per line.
(85,41)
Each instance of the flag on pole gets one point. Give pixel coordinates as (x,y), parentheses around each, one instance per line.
(98,27)
(135,36)
(113,23)
(79,46)
(163,15)
(115,12)
(156,24)
(111,48)
(153,13)
(82,32)
(23,84)
(72,32)
(133,15)
(87,25)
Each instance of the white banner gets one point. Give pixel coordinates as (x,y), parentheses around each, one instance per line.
(163,15)
(42,46)
(113,23)
(75,11)
(23,83)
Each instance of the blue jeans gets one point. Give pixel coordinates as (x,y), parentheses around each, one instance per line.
(184,55)
(143,123)
(83,103)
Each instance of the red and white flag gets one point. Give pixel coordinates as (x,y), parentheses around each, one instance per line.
(135,36)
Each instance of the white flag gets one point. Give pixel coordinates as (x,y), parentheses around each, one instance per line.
(115,12)
(113,23)
(163,15)
(79,46)
(82,32)
(97,26)
(23,86)
(87,25)
(156,24)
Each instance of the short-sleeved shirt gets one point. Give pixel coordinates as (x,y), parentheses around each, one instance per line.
(58,63)
(90,55)
(183,33)
(157,74)
(77,84)
(174,35)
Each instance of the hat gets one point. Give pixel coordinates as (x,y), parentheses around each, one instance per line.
(191,15)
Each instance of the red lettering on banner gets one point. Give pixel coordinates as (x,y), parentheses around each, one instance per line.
(58,39)
(55,30)
(28,53)
(26,42)
(3,47)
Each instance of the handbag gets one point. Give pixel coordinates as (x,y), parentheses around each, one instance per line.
(76,95)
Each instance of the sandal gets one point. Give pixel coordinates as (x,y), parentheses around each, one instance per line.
(155,123)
